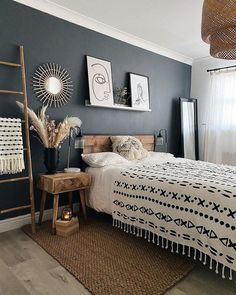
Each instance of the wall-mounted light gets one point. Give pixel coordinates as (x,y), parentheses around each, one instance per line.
(78,144)
(161,140)
(79,141)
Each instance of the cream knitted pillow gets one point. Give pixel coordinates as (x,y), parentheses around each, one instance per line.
(128,147)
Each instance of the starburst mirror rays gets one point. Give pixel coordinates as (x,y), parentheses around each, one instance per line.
(52,85)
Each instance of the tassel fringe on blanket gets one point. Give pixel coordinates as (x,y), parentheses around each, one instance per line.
(184,205)
(11,146)
(177,248)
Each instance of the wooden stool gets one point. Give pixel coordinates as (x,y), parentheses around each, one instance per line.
(58,183)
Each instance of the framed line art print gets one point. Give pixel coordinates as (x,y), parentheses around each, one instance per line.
(139,88)
(100,82)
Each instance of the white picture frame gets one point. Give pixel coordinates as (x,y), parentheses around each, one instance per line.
(139,88)
(100,82)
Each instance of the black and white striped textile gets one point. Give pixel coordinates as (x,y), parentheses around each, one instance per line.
(11,146)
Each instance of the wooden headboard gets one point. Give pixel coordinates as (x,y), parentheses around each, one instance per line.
(102,143)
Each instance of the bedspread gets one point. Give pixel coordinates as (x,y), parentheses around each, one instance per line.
(188,203)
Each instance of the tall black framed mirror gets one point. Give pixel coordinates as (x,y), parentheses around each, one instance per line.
(189,128)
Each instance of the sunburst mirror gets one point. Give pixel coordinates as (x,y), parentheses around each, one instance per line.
(52,85)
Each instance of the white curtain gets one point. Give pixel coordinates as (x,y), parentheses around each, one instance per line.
(220,136)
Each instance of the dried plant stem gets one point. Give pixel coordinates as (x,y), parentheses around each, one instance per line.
(50,134)
(37,123)
(64,128)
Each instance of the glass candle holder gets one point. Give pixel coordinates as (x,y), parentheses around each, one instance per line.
(66,214)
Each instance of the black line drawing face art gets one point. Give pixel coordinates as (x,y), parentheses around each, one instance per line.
(140,99)
(100,82)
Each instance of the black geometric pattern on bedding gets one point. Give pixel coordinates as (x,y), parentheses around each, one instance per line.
(191,203)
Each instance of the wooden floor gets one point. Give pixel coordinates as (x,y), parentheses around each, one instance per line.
(25,268)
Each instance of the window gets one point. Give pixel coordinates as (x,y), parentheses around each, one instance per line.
(220,137)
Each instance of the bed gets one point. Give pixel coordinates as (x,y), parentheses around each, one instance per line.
(182,205)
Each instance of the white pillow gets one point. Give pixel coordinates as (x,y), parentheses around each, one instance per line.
(97,160)
(128,147)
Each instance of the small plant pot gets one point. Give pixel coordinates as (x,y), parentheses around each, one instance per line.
(51,159)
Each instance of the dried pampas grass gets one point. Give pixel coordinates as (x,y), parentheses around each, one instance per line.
(50,134)
(65,127)
(37,123)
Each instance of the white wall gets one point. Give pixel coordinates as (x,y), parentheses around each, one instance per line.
(199,88)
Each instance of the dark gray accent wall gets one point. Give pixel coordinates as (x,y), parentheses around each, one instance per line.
(49,39)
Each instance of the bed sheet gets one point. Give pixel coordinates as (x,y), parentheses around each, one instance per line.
(99,194)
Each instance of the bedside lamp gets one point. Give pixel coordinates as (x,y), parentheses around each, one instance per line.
(161,140)
(78,144)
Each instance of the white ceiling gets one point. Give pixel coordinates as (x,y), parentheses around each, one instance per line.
(172,24)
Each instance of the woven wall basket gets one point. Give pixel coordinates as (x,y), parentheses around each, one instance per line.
(219,27)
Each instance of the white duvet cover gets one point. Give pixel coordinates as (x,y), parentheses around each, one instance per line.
(100,197)
(179,201)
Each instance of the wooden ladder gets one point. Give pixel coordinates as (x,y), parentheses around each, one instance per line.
(29,176)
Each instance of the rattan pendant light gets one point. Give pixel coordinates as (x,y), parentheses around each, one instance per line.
(219,27)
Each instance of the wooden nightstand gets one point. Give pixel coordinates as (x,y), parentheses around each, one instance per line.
(55,184)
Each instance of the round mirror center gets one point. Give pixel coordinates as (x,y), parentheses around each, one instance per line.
(53,85)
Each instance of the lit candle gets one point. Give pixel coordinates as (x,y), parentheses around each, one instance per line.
(66,214)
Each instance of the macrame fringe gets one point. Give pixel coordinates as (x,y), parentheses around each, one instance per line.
(11,166)
(223,272)
(200,256)
(151,237)
(145,234)
(166,244)
(205,260)
(210,263)
(217,267)
(189,251)
(177,248)
(141,233)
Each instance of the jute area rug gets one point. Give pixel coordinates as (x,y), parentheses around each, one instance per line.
(107,260)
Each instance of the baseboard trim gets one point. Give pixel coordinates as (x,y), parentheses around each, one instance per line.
(19,221)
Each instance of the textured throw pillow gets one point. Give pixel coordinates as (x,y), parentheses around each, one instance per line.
(128,147)
(97,160)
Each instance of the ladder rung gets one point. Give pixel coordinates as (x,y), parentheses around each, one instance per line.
(14,179)
(11,92)
(10,64)
(21,66)
(14,209)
